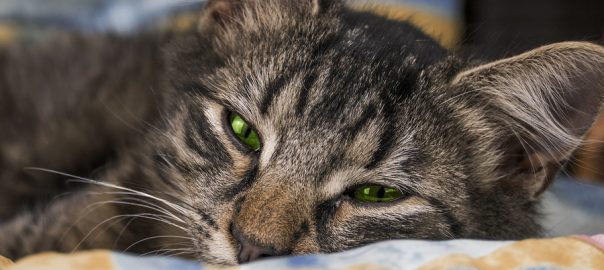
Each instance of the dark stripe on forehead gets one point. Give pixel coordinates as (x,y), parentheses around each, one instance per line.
(323,45)
(272,91)
(308,83)
(320,49)
(332,164)
(368,114)
(388,136)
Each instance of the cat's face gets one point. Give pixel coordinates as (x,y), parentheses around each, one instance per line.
(304,128)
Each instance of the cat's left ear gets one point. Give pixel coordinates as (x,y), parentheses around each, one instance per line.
(533,109)
(220,14)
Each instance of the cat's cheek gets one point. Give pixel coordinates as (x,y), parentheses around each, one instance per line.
(307,244)
(347,228)
(217,247)
(222,247)
(349,209)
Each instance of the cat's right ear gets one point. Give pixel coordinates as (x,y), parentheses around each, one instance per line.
(531,111)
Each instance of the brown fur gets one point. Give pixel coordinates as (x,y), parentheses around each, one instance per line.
(340,99)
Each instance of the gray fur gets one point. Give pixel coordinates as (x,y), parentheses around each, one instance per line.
(339,98)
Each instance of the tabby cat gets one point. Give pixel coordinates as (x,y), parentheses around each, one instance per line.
(280,127)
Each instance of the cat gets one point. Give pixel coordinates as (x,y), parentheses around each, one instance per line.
(281,127)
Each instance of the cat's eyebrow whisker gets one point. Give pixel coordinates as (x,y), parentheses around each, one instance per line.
(156,237)
(90,181)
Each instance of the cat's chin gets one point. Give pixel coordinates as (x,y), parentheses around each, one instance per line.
(216,259)
(211,250)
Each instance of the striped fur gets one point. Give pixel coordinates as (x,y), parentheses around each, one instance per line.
(340,99)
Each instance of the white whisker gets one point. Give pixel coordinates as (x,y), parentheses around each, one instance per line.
(90,181)
(147,216)
(156,237)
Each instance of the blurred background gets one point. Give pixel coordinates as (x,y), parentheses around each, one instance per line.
(488,29)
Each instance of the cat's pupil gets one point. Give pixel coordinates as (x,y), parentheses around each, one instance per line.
(381,192)
(245,134)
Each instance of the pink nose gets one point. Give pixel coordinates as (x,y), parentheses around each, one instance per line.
(250,252)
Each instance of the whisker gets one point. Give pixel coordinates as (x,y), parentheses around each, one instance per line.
(153,207)
(177,254)
(90,181)
(147,216)
(168,250)
(156,237)
(119,236)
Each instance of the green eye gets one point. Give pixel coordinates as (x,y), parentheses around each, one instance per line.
(244,132)
(376,194)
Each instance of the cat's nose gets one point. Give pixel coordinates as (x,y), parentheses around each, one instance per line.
(250,252)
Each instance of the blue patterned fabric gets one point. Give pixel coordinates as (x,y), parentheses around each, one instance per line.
(401,254)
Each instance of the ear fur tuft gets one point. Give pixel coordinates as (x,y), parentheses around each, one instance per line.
(546,98)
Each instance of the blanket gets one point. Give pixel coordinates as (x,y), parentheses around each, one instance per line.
(573,252)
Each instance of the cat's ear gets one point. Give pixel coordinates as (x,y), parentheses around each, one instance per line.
(220,13)
(323,6)
(537,107)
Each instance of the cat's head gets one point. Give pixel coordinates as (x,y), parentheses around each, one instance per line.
(304,127)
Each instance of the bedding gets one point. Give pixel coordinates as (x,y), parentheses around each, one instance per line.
(573,252)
